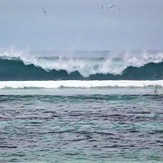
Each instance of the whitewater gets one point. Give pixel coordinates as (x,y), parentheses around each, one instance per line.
(80,84)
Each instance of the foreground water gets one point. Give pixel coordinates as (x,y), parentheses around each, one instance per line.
(81,125)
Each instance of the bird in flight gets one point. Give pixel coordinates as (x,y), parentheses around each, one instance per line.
(42,8)
(109,5)
(44,11)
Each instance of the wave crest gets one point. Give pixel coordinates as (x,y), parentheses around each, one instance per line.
(109,66)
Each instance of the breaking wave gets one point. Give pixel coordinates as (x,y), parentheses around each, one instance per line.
(121,66)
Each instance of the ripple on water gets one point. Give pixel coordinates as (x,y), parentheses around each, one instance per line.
(85,128)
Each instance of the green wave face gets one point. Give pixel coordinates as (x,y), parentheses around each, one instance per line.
(15,69)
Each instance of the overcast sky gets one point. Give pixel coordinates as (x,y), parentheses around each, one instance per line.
(82,24)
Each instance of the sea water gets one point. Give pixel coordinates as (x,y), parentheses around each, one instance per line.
(81,125)
(81,109)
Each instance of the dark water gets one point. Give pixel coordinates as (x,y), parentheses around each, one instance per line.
(81,128)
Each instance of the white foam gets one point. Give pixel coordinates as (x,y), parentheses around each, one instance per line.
(79,84)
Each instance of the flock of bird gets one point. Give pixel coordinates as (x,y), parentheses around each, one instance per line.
(107,5)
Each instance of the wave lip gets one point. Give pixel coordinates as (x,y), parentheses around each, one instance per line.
(80,84)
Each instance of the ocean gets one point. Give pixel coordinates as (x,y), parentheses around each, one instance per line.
(81,109)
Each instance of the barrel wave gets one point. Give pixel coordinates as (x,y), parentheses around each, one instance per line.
(15,69)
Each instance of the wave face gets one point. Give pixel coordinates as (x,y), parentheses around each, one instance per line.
(22,67)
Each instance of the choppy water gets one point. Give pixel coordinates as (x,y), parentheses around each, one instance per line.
(82,127)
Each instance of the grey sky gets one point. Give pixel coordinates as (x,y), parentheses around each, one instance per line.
(81,24)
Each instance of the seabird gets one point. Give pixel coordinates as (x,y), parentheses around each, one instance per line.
(42,8)
(109,5)
(44,11)
(112,6)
